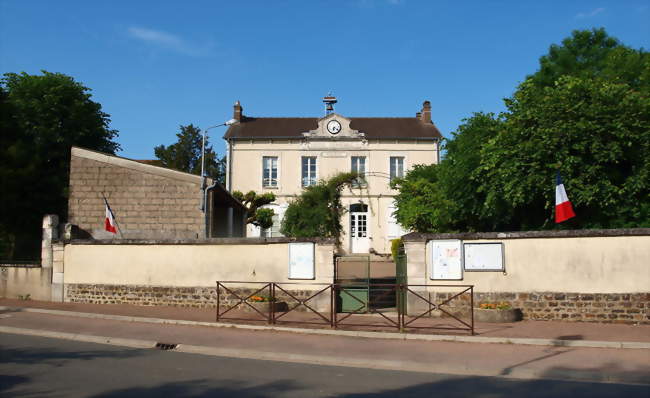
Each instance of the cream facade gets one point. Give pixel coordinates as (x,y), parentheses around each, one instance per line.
(288,160)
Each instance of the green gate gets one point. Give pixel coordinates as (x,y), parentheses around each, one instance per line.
(360,281)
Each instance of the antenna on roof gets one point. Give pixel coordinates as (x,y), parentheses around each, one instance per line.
(329,101)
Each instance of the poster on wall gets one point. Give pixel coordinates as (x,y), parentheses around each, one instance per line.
(301,261)
(483,256)
(446,259)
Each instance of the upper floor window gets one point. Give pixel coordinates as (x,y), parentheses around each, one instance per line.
(270,171)
(359,167)
(308,171)
(396,167)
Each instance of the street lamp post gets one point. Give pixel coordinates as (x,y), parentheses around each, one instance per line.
(203,176)
(205,133)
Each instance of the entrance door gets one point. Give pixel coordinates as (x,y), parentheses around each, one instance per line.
(359,236)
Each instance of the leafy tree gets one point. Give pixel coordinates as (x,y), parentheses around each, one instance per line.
(318,209)
(41,117)
(597,133)
(445,197)
(185,154)
(258,216)
(586,112)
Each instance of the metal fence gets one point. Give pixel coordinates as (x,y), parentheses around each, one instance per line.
(418,307)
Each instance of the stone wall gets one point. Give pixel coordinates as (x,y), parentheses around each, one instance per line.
(606,308)
(586,275)
(196,297)
(148,202)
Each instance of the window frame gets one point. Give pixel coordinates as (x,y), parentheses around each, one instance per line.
(277,172)
(312,180)
(361,181)
(390,167)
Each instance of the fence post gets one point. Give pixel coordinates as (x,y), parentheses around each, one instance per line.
(272,304)
(332,306)
(218,299)
(471,306)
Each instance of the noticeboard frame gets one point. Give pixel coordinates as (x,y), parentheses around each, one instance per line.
(313,262)
(432,266)
(503,258)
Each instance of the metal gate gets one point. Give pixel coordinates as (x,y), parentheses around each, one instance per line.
(366,284)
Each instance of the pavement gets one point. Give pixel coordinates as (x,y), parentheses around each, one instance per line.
(610,353)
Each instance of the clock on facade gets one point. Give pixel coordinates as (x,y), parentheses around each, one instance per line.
(333,126)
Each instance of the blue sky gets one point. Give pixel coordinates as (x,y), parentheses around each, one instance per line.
(154,65)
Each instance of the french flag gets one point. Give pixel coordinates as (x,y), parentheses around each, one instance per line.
(563,208)
(109,220)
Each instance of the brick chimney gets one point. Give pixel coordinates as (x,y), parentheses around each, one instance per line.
(237,114)
(425,113)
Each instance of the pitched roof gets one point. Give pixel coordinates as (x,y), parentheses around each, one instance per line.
(293,127)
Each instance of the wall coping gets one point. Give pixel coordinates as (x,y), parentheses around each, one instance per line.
(575,233)
(135,165)
(200,242)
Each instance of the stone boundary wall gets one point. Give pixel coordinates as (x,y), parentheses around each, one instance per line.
(195,297)
(585,275)
(548,306)
(606,308)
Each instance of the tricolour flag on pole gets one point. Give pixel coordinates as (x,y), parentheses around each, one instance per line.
(109,221)
(563,208)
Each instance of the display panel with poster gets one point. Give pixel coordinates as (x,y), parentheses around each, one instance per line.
(301,261)
(446,259)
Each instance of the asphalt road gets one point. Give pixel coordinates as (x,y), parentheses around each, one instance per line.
(43,367)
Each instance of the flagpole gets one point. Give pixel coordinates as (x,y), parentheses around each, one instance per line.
(114,219)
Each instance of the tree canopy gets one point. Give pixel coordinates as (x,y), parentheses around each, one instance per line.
(256,214)
(585,112)
(185,154)
(41,117)
(318,209)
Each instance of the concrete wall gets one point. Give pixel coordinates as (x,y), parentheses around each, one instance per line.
(17,281)
(186,264)
(148,202)
(556,275)
(182,273)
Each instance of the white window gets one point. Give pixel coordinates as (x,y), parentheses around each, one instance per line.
(270,171)
(308,171)
(359,167)
(396,167)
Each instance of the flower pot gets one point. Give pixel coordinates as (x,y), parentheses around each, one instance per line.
(497,316)
(266,306)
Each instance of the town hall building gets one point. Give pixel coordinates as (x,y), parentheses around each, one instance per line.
(285,154)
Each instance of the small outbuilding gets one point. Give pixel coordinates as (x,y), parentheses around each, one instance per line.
(148,201)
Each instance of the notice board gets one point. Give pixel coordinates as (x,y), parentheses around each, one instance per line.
(446,259)
(483,256)
(301,261)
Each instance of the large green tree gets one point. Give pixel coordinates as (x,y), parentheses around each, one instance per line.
(185,154)
(41,117)
(317,211)
(445,197)
(585,112)
(597,133)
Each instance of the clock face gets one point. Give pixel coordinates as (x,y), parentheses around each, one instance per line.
(333,126)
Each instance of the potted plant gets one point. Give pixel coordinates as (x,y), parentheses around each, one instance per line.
(264,304)
(497,313)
